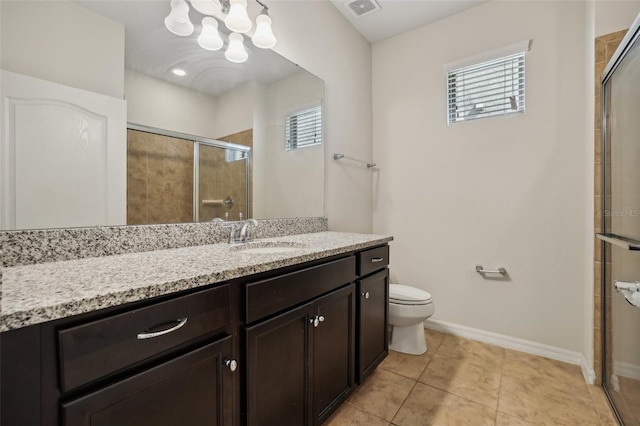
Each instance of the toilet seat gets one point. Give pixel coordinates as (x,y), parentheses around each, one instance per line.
(406,295)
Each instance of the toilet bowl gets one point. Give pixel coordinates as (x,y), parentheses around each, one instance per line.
(409,307)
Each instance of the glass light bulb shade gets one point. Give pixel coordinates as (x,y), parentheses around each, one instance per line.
(235,52)
(238,20)
(209,38)
(207,7)
(263,36)
(178,21)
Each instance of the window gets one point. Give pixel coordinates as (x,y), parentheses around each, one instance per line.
(487,89)
(303,128)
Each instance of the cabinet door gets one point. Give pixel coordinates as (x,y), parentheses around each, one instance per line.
(333,351)
(373,328)
(278,369)
(190,390)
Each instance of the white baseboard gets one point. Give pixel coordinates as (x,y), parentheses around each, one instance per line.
(626,369)
(514,343)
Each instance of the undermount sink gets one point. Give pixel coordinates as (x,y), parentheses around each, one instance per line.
(268,248)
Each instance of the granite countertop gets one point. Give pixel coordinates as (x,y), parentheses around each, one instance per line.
(33,294)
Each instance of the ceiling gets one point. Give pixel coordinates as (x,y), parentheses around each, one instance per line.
(398,16)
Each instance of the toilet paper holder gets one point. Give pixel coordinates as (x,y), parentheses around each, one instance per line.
(481,270)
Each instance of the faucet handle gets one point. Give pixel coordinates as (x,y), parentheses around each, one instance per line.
(232,234)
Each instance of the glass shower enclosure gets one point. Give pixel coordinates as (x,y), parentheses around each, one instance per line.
(621,228)
(175,178)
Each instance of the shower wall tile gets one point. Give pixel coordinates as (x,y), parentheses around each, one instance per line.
(160,174)
(51,245)
(597,278)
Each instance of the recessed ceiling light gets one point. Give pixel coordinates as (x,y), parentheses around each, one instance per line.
(178,71)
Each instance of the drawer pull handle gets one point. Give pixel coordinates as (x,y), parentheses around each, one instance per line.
(181,323)
(377,259)
(231,364)
(365,294)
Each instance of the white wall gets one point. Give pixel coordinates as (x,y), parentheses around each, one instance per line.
(235,110)
(294,179)
(64,43)
(156,103)
(614,15)
(316,36)
(504,191)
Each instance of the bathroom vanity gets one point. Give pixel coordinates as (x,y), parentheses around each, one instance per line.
(279,331)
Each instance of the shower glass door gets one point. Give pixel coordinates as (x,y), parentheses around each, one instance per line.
(222,182)
(621,225)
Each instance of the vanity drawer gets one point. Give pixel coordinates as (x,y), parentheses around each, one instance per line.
(267,297)
(96,349)
(372,260)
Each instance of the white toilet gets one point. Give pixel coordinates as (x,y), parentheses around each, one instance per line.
(408,308)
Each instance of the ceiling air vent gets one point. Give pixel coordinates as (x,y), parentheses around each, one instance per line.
(361,8)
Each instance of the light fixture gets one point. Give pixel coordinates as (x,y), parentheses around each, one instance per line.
(207,7)
(237,19)
(209,38)
(178,19)
(263,36)
(179,72)
(235,52)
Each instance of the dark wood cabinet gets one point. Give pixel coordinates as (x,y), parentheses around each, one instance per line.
(373,311)
(189,390)
(300,364)
(277,369)
(333,351)
(304,336)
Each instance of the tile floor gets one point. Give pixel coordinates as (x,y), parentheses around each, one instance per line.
(464,382)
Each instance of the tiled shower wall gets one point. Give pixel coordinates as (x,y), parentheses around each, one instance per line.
(605,46)
(159,179)
(219,180)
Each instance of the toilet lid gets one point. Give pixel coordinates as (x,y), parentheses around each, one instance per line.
(404,294)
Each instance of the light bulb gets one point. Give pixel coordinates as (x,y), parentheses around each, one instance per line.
(209,38)
(238,20)
(207,7)
(235,52)
(263,37)
(178,20)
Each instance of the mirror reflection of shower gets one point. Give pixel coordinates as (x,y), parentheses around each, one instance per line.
(174,178)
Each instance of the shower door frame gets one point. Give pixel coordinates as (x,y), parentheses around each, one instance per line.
(631,37)
(197,141)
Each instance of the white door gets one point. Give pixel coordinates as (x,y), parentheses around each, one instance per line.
(63,155)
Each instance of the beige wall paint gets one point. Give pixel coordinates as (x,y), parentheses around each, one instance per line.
(63,43)
(504,191)
(295,183)
(614,15)
(315,35)
(156,103)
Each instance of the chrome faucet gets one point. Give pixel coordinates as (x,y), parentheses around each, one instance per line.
(245,230)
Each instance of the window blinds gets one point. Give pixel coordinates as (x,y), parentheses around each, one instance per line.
(487,89)
(304,128)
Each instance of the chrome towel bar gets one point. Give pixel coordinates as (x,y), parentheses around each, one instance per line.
(481,270)
(340,156)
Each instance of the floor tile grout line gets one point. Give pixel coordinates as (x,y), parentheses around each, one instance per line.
(415,382)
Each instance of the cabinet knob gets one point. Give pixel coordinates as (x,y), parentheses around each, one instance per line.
(316,320)
(231,364)
(366,294)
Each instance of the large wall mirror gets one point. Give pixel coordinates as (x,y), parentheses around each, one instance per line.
(211,143)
